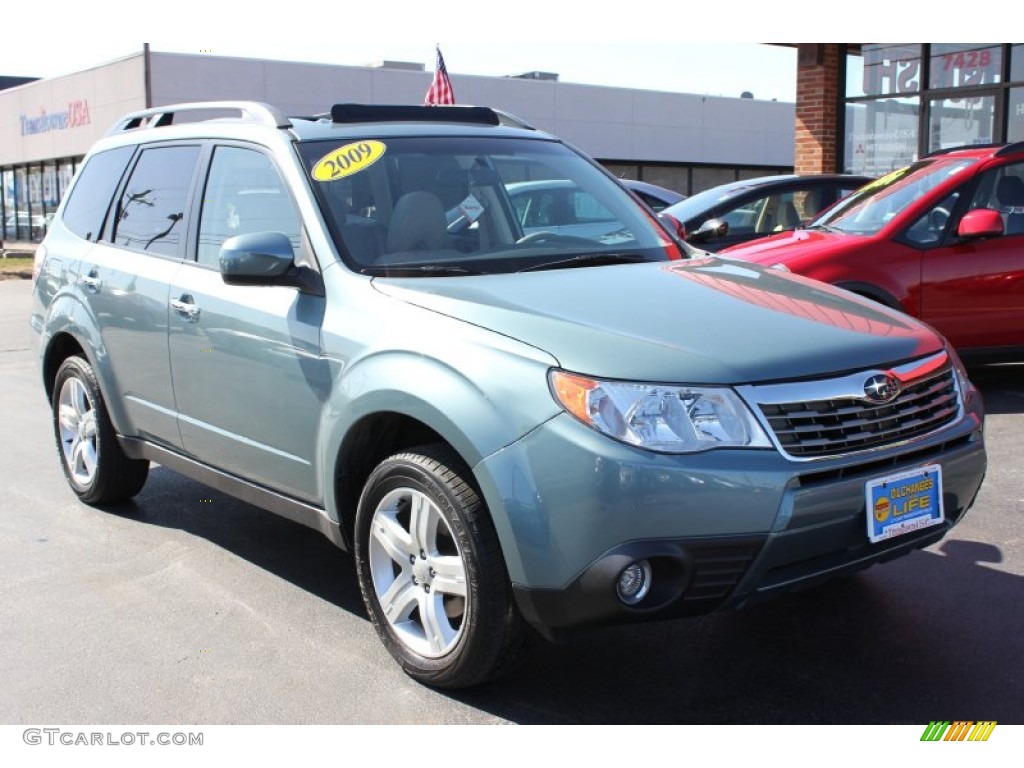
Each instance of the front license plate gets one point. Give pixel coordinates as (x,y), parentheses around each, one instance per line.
(908,501)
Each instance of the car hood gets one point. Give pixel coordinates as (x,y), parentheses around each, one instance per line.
(784,247)
(706,320)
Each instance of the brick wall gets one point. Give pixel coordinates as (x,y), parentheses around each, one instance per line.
(817,94)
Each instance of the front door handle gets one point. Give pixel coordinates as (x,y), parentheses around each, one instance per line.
(91,281)
(186,307)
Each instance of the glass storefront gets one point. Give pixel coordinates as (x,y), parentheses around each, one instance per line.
(29,196)
(904,100)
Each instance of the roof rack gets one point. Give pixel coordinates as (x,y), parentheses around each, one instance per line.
(393,113)
(158,117)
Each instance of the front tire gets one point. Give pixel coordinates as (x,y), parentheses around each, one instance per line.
(96,468)
(431,572)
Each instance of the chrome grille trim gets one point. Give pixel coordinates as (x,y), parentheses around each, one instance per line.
(830,418)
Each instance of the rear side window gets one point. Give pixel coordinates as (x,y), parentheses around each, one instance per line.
(151,211)
(91,195)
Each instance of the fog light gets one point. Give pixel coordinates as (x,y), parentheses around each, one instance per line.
(634,582)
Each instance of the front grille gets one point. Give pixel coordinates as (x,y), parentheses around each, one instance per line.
(839,425)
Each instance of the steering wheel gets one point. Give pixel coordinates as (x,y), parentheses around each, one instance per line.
(937,219)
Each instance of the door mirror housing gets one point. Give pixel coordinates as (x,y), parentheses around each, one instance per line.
(266,258)
(979,223)
(257,258)
(710,230)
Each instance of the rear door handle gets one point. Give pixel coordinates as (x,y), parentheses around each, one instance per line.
(186,307)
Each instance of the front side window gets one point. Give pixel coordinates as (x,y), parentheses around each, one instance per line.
(771,213)
(1002,189)
(151,211)
(435,205)
(244,195)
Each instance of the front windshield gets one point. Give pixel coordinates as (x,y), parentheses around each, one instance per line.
(874,205)
(454,206)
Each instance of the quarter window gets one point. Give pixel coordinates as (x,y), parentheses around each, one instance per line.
(151,212)
(930,228)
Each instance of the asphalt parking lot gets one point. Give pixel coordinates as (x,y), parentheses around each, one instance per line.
(191,607)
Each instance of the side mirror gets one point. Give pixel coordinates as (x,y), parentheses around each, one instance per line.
(710,230)
(256,259)
(979,223)
(265,258)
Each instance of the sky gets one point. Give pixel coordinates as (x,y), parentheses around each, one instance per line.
(707,49)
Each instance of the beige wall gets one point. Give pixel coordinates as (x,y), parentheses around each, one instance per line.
(107,92)
(614,124)
(610,123)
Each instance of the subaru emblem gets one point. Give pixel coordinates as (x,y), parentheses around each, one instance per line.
(881,388)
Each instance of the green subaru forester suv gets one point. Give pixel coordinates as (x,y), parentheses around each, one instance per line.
(342,318)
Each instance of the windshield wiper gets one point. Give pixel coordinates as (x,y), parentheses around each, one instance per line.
(824,228)
(418,270)
(586,260)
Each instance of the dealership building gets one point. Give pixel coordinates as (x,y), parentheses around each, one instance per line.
(861,107)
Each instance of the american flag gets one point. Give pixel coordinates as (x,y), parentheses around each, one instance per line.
(440,91)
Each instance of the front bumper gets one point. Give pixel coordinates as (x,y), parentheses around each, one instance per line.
(720,529)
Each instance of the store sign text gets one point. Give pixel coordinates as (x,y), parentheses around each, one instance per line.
(76,114)
(950,70)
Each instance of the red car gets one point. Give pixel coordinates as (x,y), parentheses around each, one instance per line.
(941,239)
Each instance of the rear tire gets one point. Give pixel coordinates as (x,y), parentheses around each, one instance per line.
(432,574)
(96,468)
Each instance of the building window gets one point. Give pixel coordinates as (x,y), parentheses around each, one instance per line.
(7,193)
(65,173)
(1017,63)
(960,66)
(19,223)
(955,122)
(885,69)
(1015,115)
(905,100)
(881,135)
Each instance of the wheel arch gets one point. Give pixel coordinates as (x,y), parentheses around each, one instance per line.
(60,347)
(366,444)
(64,335)
(873,292)
(390,403)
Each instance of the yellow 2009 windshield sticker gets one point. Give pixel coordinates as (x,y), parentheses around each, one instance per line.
(349,159)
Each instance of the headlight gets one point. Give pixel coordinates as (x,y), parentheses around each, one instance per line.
(967,390)
(660,417)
